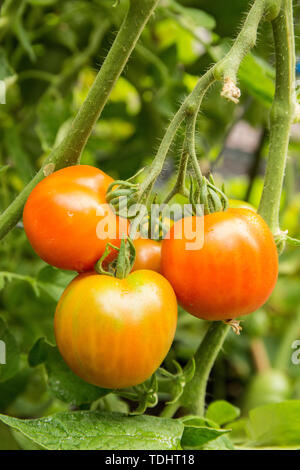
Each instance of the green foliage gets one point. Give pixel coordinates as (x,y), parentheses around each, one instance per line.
(50,53)
(199,432)
(85,430)
(222,412)
(273,426)
(276,425)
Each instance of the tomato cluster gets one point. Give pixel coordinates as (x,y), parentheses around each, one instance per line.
(115,332)
(111,332)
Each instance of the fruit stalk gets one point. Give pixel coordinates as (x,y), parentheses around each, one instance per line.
(193,398)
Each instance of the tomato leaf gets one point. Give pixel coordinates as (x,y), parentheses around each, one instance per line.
(42,2)
(6,439)
(95,430)
(221,443)
(63,383)
(192,17)
(257,77)
(52,113)
(16,151)
(198,432)
(54,281)
(275,425)
(222,412)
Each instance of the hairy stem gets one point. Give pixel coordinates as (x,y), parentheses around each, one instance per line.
(193,398)
(69,151)
(245,41)
(191,129)
(281,117)
(189,107)
(226,69)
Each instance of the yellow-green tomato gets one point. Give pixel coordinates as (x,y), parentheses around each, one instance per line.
(239,204)
(115,333)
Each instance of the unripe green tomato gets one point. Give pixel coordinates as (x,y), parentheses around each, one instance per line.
(271,386)
(257,324)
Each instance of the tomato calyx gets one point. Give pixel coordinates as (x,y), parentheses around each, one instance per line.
(179,378)
(281,237)
(235,325)
(206,197)
(122,265)
(121,194)
(145,394)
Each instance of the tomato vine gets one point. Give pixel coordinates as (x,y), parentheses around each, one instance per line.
(226,70)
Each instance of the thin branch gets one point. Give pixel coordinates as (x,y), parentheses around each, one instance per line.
(193,398)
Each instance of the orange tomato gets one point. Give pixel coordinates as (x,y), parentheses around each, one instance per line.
(63,218)
(115,333)
(148,254)
(233,273)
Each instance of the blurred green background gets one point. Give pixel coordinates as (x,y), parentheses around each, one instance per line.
(50,52)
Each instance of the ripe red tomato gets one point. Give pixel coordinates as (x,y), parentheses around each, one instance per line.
(115,333)
(234,272)
(148,254)
(63,215)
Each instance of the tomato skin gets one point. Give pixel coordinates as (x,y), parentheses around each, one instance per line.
(115,333)
(148,254)
(239,204)
(232,275)
(62,214)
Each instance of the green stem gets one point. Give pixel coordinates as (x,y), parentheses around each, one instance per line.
(189,108)
(225,69)
(179,186)
(193,398)
(190,132)
(281,116)
(69,151)
(228,67)
(169,410)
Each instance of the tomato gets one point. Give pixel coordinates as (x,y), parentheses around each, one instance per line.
(148,254)
(239,204)
(232,274)
(270,386)
(115,333)
(63,215)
